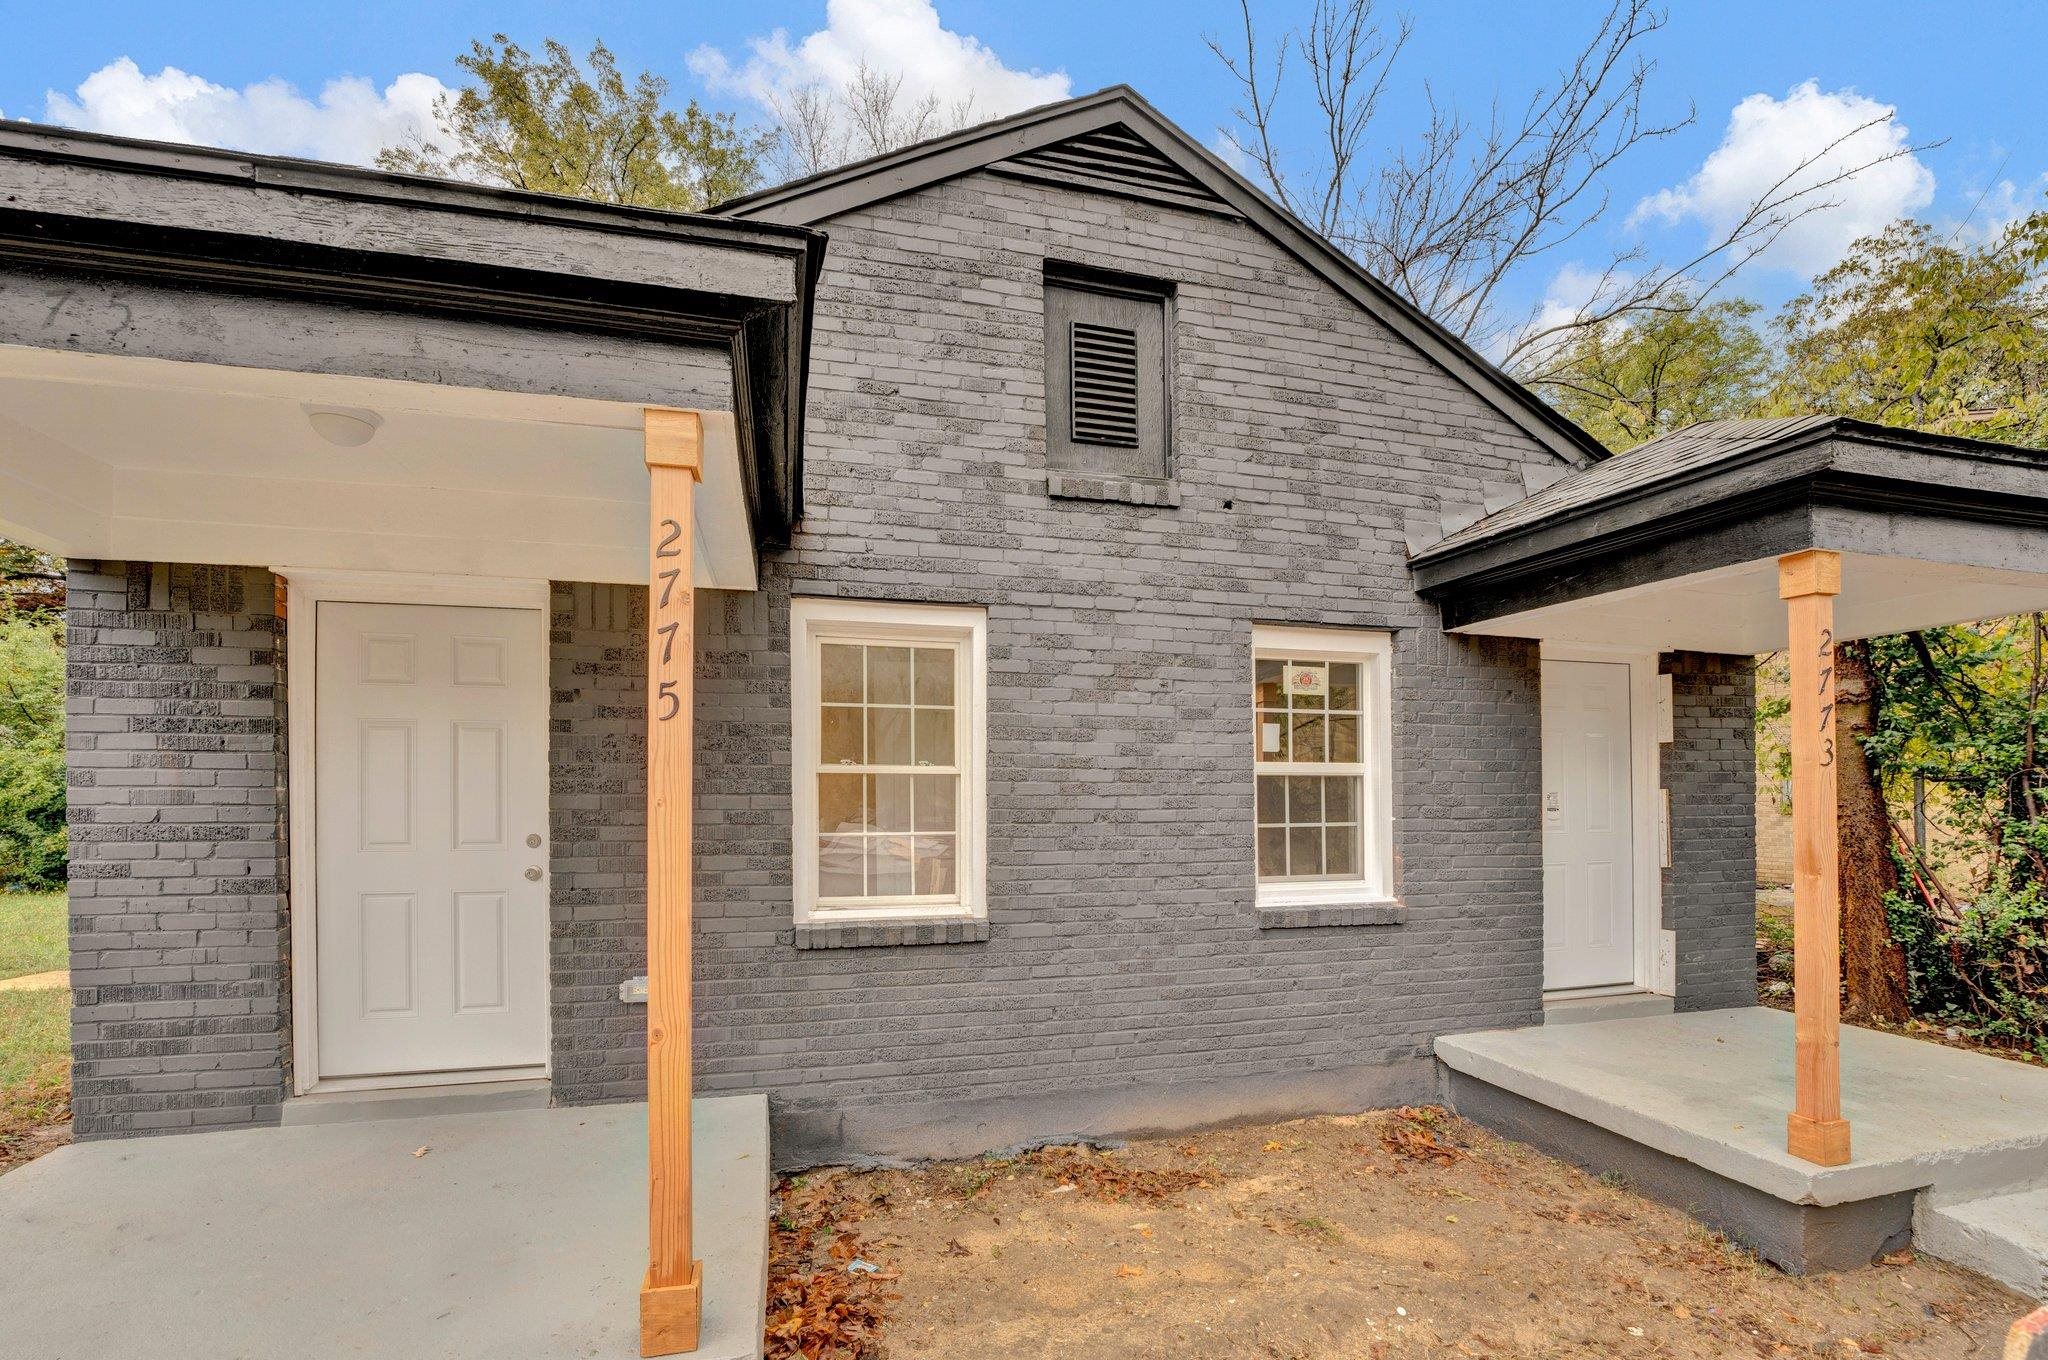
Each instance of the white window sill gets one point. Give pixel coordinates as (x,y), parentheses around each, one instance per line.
(888,932)
(1324,907)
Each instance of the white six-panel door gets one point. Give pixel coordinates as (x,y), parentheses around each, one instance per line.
(431,779)
(1589,912)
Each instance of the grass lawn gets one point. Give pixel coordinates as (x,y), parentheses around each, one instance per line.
(32,933)
(35,1029)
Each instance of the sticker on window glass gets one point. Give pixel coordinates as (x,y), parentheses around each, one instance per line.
(1308,681)
(1269,738)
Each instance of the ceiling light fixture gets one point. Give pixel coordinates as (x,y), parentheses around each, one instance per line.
(345,427)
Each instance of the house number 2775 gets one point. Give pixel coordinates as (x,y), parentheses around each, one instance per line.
(666,701)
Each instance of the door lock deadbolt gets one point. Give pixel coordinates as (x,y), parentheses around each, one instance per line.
(533,841)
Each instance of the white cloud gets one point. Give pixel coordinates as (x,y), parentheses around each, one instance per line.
(893,37)
(1572,291)
(350,122)
(1768,138)
(1996,208)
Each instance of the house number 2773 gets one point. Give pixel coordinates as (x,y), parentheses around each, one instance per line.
(1827,707)
(666,701)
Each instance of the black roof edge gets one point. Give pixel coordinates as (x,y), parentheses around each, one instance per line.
(42,141)
(1006,137)
(1549,545)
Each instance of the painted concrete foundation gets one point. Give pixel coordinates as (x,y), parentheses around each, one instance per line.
(1692,1108)
(1797,1238)
(456,1236)
(896,1134)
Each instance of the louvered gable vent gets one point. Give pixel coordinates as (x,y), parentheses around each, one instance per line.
(1105,369)
(1118,161)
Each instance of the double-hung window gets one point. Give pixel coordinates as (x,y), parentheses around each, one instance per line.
(1322,753)
(887,703)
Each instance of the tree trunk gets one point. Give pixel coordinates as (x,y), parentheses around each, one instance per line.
(1872,961)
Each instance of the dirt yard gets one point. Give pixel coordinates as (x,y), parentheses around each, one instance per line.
(1394,1234)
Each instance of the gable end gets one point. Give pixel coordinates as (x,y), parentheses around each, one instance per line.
(1114,160)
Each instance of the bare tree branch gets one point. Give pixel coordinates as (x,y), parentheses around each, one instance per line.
(818,127)
(1471,205)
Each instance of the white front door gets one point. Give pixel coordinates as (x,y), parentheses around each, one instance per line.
(1589,910)
(430,777)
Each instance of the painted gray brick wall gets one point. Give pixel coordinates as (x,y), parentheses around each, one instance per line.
(178,943)
(1710,770)
(1126,980)
(598,838)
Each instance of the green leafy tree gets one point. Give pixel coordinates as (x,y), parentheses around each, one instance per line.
(1928,331)
(30,581)
(1963,709)
(33,842)
(553,126)
(1948,335)
(1628,380)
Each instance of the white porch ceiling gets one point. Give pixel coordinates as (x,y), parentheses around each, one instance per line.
(1737,610)
(149,460)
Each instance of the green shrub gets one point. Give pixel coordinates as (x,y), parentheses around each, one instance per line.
(34,846)
(1981,966)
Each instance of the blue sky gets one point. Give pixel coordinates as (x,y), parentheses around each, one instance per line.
(1971,85)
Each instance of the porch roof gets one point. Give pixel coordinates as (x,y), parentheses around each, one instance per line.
(172,317)
(1673,545)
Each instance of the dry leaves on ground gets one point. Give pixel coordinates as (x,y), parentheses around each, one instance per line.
(1108,1175)
(1422,1134)
(828,1289)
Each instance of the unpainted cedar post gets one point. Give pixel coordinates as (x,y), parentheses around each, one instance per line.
(1815,1130)
(672,1294)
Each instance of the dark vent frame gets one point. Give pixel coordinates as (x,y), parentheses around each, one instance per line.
(1104,363)
(1108,379)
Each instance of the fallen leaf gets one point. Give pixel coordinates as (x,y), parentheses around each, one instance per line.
(1681,1312)
(1129,1272)
(420,1151)
(955,1248)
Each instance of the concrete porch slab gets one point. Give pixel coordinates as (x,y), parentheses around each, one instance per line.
(1712,1088)
(519,1233)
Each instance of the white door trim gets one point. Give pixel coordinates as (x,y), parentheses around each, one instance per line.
(1645,779)
(305,591)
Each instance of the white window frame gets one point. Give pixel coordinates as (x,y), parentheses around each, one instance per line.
(814,622)
(1373,653)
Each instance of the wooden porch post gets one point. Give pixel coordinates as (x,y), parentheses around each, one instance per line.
(1815,1131)
(672,1295)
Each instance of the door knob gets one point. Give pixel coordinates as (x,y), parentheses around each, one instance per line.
(533,873)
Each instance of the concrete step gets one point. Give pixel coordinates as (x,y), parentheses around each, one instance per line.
(414,1102)
(1581,1010)
(2003,1236)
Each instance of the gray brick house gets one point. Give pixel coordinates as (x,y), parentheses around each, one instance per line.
(1017,639)
(1138,671)
(1074,749)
